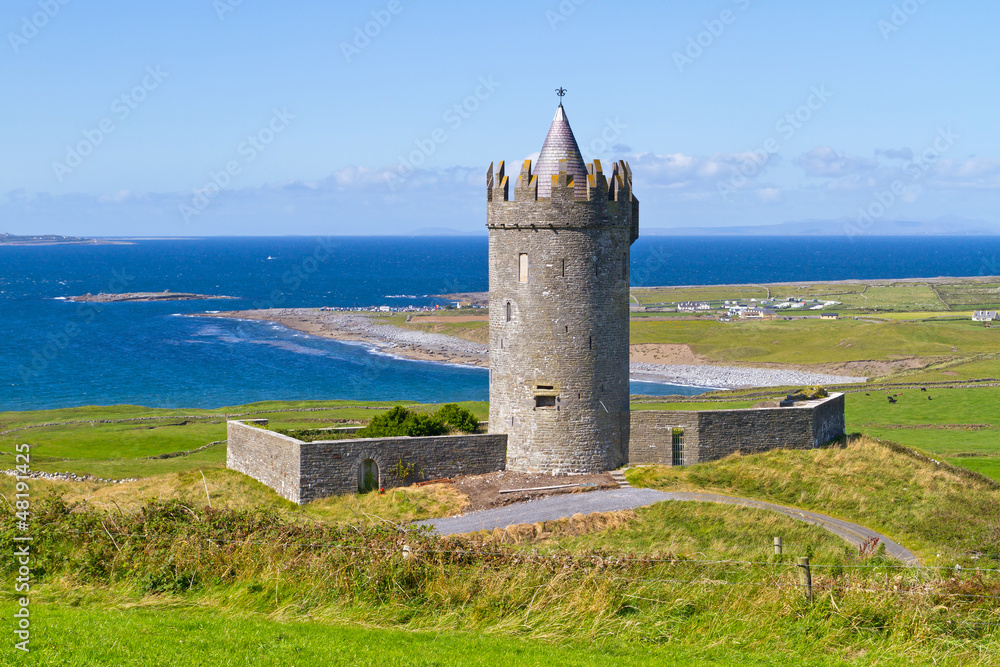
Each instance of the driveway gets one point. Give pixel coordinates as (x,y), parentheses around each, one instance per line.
(566,505)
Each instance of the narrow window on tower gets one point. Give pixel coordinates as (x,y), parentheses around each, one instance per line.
(522,267)
(564,268)
(625,267)
(508,311)
(590,342)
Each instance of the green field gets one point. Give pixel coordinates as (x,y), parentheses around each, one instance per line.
(664,295)
(118,450)
(958,294)
(820,342)
(168,633)
(977,367)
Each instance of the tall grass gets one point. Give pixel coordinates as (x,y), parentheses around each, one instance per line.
(947,515)
(253,560)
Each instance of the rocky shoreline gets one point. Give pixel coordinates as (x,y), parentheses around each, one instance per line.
(425,346)
(384,338)
(732,377)
(165,295)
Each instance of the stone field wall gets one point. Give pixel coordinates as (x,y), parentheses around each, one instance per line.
(714,434)
(306,471)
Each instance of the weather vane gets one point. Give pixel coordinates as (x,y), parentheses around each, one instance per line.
(560,91)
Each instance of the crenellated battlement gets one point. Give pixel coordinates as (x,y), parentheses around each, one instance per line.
(560,236)
(604,201)
(564,185)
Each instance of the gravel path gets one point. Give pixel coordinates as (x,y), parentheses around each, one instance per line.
(731,376)
(561,506)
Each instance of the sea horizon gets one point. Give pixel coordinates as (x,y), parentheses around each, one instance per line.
(65,354)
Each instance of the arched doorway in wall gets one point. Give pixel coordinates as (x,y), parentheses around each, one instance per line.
(368,476)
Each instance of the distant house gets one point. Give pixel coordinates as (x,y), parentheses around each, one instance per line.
(759,314)
(829,316)
(692,306)
(984,316)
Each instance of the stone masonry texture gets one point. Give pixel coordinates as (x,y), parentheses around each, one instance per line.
(305,471)
(714,434)
(559,338)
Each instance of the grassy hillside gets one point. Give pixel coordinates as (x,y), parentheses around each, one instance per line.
(163,570)
(149,564)
(946,515)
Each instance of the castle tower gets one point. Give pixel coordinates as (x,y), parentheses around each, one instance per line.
(559,325)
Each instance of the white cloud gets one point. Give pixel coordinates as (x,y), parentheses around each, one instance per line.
(680,171)
(769,195)
(824,161)
(973,173)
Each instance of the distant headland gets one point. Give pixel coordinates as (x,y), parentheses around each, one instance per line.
(165,295)
(53,239)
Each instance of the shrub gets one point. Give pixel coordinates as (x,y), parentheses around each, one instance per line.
(402,422)
(458,417)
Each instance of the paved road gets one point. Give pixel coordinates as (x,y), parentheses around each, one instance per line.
(565,505)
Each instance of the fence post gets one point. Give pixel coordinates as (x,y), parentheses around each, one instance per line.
(777,546)
(805,576)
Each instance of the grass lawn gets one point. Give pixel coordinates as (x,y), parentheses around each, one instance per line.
(942,442)
(978,405)
(184,634)
(988,466)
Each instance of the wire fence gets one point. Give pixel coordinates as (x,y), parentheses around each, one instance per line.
(631,558)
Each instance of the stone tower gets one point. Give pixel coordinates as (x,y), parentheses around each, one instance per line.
(559,326)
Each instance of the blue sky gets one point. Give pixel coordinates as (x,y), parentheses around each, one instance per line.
(205,117)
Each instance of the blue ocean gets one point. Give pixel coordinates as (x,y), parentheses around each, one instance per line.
(58,353)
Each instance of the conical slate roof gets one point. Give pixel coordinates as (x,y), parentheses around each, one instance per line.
(560,144)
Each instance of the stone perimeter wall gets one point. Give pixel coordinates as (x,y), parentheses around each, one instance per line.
(306,471)
(715,434)
(268,457)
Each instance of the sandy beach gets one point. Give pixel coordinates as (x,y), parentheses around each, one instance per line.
(665,363)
